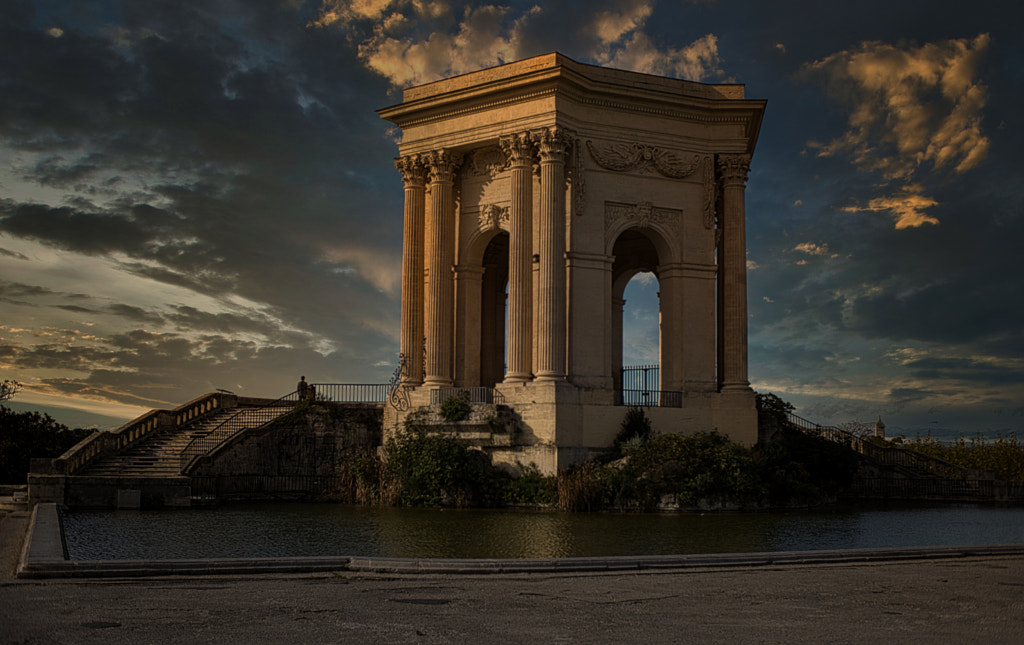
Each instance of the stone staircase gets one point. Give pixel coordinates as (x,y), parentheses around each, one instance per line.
(158,455)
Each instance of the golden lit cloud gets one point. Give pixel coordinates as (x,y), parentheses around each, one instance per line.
(909,106)
(912,110)
(812,248)
(907,208)
(411,43)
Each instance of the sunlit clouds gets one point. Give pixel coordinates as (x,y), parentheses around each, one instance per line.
(913,110)
(416,42)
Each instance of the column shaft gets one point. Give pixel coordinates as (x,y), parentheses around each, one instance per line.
(519,150)
(733,266)
(414,178)
(439,315)
(551,272)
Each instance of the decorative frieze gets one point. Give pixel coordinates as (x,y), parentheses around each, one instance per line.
(641,215)
(638,157)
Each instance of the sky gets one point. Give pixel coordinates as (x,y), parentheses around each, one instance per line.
(198,194)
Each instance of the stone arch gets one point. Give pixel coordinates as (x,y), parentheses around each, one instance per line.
(482,277)
(635,250)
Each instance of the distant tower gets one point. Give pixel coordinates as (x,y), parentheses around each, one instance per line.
(880,429)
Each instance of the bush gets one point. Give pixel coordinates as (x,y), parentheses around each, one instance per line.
(455,408)
(1004,456)
(531,487)
(636,428)
(433,469)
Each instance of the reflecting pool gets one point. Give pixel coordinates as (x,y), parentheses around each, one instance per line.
(290,529)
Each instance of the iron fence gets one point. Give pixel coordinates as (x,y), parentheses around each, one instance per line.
(350,392)
(639,387)
(470,394)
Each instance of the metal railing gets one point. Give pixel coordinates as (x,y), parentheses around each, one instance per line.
(242,420)
(350,392)
(638,388)
(470,394)
(649,398)
(889,455)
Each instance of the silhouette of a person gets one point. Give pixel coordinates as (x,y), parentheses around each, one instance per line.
(302,387)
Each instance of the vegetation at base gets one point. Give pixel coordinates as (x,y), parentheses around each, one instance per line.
(636,428)
(24,435)
(1004,456)
(706,470)
(421,466)
(454,408)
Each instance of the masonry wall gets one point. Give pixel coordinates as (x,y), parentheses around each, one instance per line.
(296,458)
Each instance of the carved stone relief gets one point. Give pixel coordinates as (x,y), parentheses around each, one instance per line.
(642,215)
(493,216)
(486,162)
(626,157)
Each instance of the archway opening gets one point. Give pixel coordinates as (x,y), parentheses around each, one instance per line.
(493,312)
(636,318)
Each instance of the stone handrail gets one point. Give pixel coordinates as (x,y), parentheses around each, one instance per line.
(101,443)
(246,419)
(889,455)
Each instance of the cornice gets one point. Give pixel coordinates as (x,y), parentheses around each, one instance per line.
(565,81)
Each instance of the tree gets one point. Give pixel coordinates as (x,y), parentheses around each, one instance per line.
(773,406)
(24,435)
(8,389)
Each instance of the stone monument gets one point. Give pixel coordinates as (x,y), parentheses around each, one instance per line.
(534,191)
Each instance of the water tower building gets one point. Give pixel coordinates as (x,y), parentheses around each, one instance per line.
(534,192)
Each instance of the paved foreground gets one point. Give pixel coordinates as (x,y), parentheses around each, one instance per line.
(974,599)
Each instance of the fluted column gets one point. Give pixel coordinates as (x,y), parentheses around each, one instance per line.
(519,151)
(733,267)
(439,317)
(551,145)
(414,178)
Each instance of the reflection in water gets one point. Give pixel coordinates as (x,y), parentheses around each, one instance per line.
(280,530)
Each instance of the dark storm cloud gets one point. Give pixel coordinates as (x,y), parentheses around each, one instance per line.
(268,127)
(965,369)
(89,233)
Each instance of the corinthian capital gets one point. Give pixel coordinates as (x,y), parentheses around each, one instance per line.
(441,165)
(518,148)
(552,143)
(414,172)
(733,169)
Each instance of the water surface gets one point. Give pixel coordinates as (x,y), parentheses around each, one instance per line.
(290,529)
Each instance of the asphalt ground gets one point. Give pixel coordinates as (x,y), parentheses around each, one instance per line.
(968,599)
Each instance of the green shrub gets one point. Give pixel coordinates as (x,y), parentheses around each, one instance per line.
(455,408)
(433,469)
(635,428)
(1004,456)
(531,487)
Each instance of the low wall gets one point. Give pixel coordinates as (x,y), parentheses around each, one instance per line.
(298,456)
(109,492)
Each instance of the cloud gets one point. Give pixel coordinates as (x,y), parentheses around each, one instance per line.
(912,111)
(906,208)
(812,248)
(411,43)
(909,106)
